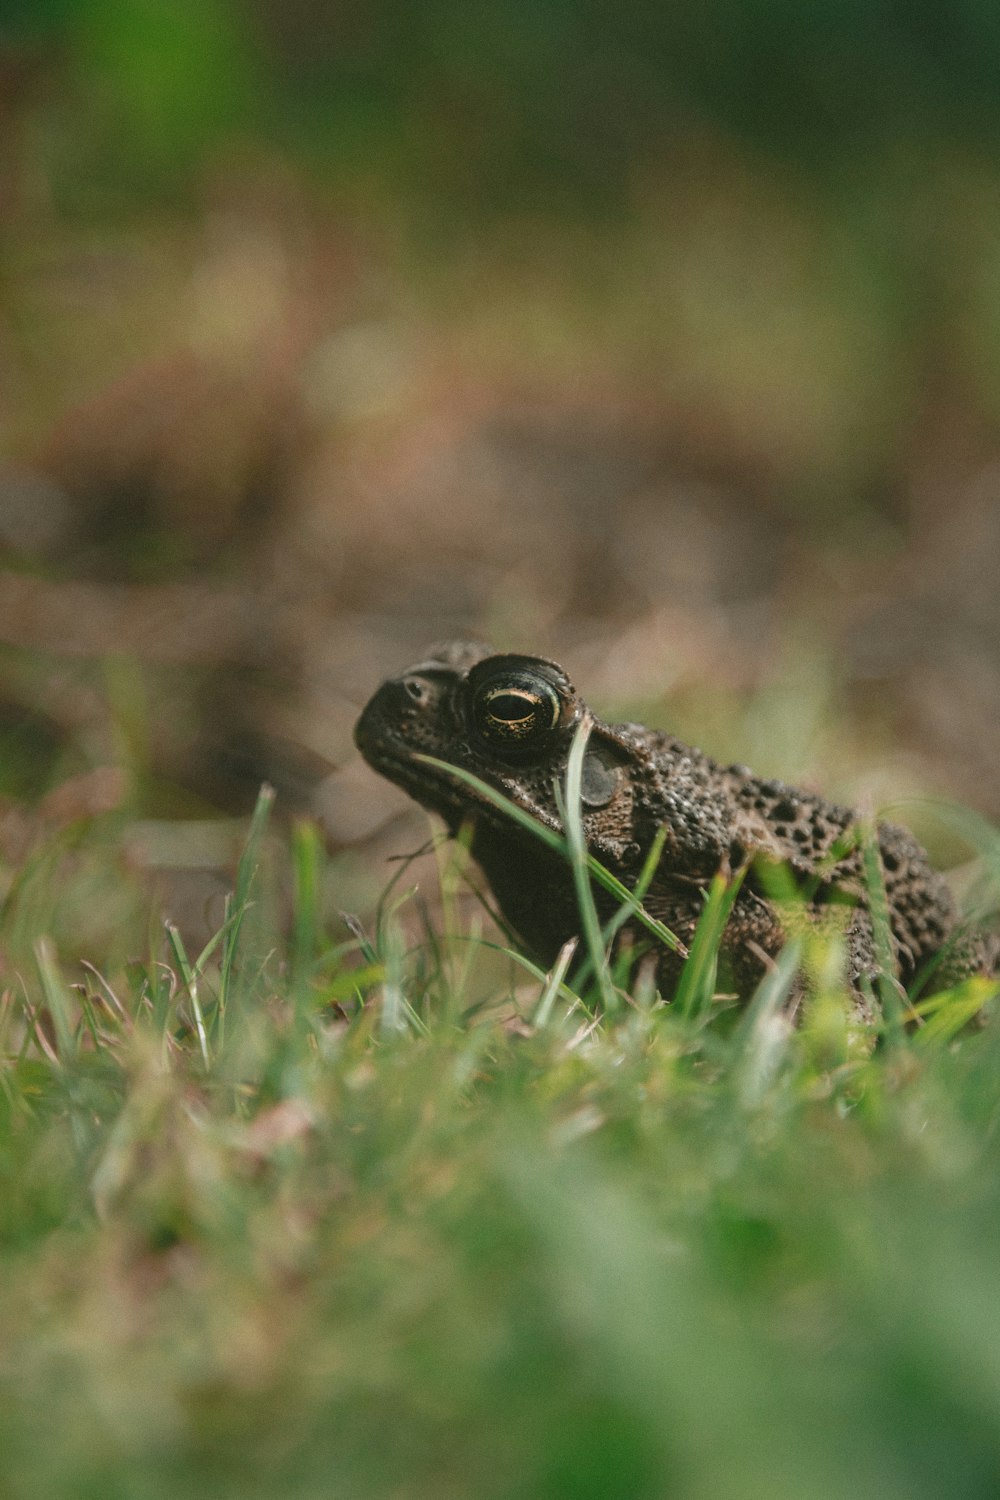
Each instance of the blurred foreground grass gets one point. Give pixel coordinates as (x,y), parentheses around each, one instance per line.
(391,1217)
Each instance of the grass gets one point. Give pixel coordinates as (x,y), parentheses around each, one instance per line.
(393,1216)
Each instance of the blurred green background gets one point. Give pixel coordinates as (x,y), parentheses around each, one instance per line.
(665,341)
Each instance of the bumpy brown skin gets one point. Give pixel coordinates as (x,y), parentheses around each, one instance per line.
(637,780)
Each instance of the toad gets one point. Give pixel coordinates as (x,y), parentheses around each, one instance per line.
(510,720)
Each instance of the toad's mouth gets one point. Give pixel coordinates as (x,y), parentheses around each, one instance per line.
(443,789)
(426,784)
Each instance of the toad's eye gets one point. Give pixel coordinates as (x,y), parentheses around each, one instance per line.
(516,713)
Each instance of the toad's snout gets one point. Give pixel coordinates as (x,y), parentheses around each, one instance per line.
(397,716)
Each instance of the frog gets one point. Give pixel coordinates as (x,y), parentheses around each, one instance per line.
(798,861)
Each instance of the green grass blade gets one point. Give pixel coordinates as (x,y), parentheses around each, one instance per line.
(571,805)
(948,1013)
(760,1042)
(250,858)
(395,1010)
(238,904)
(190,980)
(554,984)
(364,943)
(307,879)
(890,993)
(57,999)
(697,982)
